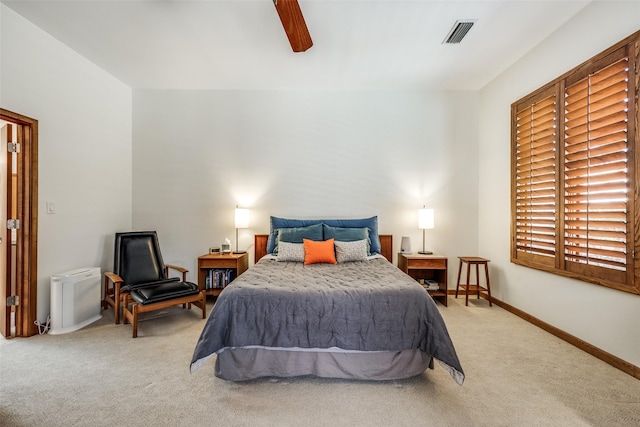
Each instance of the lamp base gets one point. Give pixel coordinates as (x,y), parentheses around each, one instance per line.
(239,252)
(425,253)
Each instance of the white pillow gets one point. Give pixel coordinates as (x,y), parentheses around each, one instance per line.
(290,252)
(351,251)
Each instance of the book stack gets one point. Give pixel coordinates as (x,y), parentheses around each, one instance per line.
(219,278)
(431,285)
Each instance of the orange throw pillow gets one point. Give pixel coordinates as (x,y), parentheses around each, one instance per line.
(319,252)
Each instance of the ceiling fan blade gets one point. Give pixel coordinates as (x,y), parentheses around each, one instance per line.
(294,25)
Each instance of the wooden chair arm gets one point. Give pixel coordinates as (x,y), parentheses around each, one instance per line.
(112,296)
(114,278)
(182,270)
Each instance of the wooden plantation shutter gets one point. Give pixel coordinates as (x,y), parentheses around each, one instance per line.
(534,192)
(596,173)
(575,178)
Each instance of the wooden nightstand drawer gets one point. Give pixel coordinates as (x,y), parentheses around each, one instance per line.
(217,263)
(426,263)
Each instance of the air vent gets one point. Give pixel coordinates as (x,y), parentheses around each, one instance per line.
(458,31)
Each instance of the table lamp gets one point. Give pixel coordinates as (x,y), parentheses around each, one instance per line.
(425,222)
(242,221)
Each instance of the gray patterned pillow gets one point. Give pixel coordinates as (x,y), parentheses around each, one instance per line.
(290,252)
(351,251)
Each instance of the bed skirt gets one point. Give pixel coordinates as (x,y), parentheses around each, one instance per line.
(245,363)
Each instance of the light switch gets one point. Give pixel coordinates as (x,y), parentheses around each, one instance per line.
(51,207)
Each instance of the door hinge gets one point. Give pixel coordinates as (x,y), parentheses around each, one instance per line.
(13,224)
(13,300)
(13,147)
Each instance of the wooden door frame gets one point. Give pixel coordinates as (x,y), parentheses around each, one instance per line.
(27,241)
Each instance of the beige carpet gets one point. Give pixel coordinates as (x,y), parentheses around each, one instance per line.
(517,375)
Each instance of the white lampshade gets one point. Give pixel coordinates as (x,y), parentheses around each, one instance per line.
(242,218)
(425,219)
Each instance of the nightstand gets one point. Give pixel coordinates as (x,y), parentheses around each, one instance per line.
(217,271)
(427,267)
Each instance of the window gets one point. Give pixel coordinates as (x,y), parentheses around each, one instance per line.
(573,185)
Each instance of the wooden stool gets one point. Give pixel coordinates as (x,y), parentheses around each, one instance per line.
(474,287)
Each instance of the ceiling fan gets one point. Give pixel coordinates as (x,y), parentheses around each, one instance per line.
(294,25)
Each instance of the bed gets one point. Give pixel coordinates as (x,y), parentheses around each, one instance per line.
(358,318)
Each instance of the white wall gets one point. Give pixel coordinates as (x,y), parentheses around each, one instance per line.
(305,155)
(84,147)
(605,318)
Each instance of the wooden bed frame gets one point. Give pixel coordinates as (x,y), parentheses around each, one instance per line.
(260,246)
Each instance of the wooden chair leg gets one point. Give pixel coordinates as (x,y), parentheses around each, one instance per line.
(105,304)
(134,323)
(466,299)
(116,300)
(478,280)
(126,313)
(112,297)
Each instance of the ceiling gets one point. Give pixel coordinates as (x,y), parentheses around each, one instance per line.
(357,44)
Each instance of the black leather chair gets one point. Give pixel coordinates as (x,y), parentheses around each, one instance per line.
(141,280)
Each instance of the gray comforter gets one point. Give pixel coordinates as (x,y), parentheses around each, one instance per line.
(368,306)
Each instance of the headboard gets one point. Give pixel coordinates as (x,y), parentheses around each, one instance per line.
(260,247)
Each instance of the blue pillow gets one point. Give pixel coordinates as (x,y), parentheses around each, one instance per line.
(297,234)
(278,223)
(347,234)
(370,223)
(344,234)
